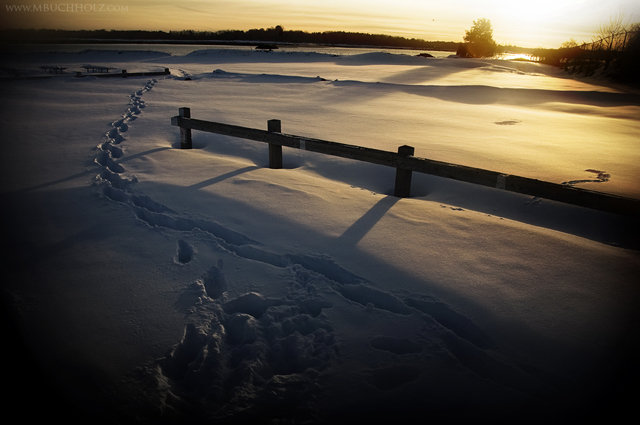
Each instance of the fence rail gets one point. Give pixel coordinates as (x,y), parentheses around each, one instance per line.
(405,163)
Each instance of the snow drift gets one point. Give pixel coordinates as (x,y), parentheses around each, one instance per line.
(163,285)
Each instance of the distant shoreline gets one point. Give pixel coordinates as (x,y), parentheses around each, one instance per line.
(214,43)
(273,36)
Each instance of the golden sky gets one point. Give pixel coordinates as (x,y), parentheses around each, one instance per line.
(539,23)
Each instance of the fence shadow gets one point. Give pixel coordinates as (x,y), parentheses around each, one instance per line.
(364,224)
(228,175)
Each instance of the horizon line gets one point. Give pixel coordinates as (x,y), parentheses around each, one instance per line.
(400,37)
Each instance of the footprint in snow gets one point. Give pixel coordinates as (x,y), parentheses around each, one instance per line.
(104,159)
(184,252)
(115,151)
(214,281)
(601,177)
(508,122)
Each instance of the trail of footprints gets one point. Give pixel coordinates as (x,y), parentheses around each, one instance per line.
(110,150)
(115,185)
(256,357)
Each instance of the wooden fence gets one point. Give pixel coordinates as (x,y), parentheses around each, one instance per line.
(589,57)
(405,163)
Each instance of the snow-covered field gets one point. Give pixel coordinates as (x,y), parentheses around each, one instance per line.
(168,285)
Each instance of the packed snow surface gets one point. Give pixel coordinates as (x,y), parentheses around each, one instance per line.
(166,285)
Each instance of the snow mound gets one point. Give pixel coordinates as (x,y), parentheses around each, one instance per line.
(208,56)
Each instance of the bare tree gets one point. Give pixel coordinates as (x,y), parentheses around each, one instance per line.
(569,44)
(608,33)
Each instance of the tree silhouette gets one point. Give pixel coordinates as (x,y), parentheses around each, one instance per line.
(479,40)
(628,64)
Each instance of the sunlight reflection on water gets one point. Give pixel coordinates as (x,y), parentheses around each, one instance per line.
(514,56)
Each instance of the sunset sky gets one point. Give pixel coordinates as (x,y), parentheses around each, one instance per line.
(540,23)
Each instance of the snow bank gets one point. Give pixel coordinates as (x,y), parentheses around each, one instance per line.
(178,286)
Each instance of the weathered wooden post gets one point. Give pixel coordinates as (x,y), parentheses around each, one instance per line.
(403,177)
(275,151)
(185,133)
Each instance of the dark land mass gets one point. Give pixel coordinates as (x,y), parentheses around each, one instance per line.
(276,36)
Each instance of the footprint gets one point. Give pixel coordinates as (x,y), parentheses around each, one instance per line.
(154,218)
(115,180)
(252,304)
(114,136)
(381,300)
(326,267)
(508,122)
(214,281)
(104,158)
(185,352)
(147,203)
(115,151)
(242,329)
(601,177)
(184,252)
(115,194)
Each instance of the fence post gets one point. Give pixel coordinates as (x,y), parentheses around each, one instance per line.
(275,151)
(403,177)
(185,133)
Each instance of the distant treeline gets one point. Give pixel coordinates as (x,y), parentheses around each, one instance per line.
(272,35)
(617,56)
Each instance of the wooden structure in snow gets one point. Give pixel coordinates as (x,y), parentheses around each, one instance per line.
(405,163)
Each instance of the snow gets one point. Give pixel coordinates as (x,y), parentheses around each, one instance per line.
(170,286)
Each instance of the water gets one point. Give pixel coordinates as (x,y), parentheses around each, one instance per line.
(184,49)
